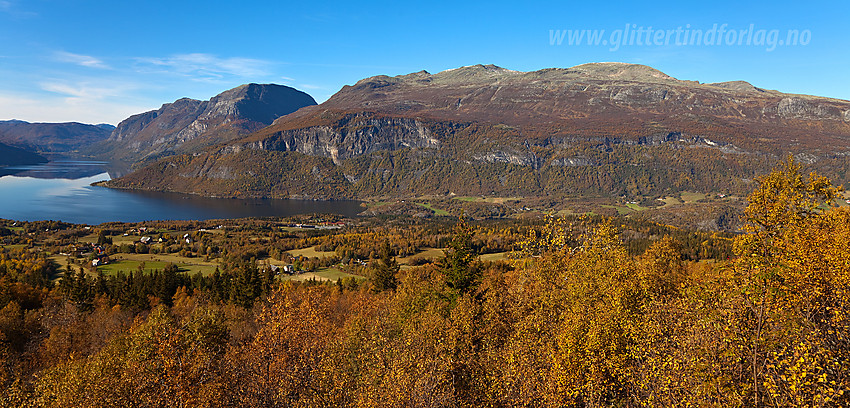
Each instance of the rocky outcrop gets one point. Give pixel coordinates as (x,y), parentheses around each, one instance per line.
(501,156)
(572,162)
(807,108)
(352,136)
(190,125)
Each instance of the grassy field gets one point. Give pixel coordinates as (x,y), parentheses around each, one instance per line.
(120,239)
(89,239)
(311,252)
(492,200)
(130,262)
(130,266)
(569,212)
(689,197)
(670,201)
(621,210)
(426,253)
(373,204)
(323,274)
(60,260)
(498,256)
(438,212)
(116,239)
(129,239)
(636,207)
(842,199)
(291,229)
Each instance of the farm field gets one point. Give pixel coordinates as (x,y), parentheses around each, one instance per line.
(426,253)
(438,212)
(689,197)
(492,200)
(131,262)
(497,256)
(311,252)
(322,274)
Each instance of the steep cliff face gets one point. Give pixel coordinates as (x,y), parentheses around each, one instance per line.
(190,125)
(351,136)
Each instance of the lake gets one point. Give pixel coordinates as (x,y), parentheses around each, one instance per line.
(62,191)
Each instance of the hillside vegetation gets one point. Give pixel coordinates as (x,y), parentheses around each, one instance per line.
(586,312)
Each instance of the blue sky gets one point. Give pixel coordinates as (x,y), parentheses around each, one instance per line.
(100,61)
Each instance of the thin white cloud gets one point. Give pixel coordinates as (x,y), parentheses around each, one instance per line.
(308,86)
(206,67)
(87,101)
(82,90)
(82,60)
(109,90)
(9,8)
(62,109)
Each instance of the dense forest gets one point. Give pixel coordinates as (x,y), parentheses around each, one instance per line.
(575,311)
(599,169)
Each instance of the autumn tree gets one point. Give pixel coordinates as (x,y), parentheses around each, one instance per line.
(386,269)
(460,264)
(774,283)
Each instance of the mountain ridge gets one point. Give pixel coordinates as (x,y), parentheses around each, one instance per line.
(602,129)
(66,138)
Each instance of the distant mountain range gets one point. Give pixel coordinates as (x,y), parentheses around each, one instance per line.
(594,130)
(603,129)
(47,139)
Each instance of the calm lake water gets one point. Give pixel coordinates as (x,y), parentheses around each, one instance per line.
(62,191)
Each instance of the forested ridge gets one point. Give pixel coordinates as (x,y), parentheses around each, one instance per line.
(595,168)
(581,311)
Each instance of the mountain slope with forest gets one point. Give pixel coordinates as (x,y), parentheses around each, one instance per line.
(606,129)
(13,156)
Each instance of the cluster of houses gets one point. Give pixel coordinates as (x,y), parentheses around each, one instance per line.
(147,240)
(287,269)
(85,250)
(320,225)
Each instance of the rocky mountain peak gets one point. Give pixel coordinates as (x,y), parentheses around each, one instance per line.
(196,124)
(261,103)
(740,86)
(474,74)
(620,71)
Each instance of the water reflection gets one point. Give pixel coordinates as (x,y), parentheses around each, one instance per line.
(55,192)
(66,169)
